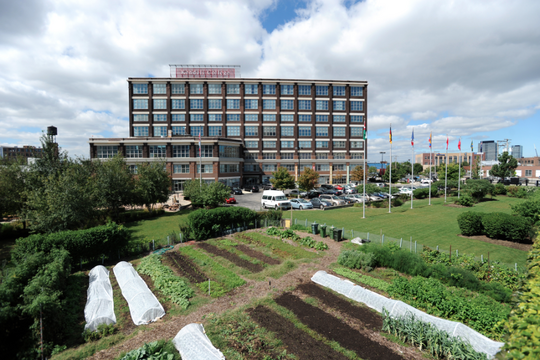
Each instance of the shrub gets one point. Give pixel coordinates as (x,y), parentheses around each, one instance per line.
(205,223)
(500,189)
(470,223)
(478,189)
(356,260)
(421,193)
(395,202)
(529,209)
(517,191)
(465,200)
(506,227)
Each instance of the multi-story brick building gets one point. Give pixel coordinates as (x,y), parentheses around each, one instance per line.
(12,152)
(248,127)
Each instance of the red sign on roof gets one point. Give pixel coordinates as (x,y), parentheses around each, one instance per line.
(190,72)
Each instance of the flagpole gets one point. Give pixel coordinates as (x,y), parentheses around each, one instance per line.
(430,162)
(390,177)
(412,167)
(364,193)
(200,161)
(459,173)
(446,169)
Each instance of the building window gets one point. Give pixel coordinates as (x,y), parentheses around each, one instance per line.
(321,144)
(269,156)
(305,156)
(160,104)
(357,156)
(229,151)
(321,156)
(321,90)
(179,130)
(338,167)
(139,104)
(269,117)
(233,117)
(269,131)
(214,104)
(338,144)
(133,169)
(233,130)
(179,117)
(178,104)
(214,88)
(251,104)
(196,88)
(181,168)
(357,131)
(214,117)
(140,117)
(321,118)
(251,89)
(287,89)
(286,156)
(289,167)
(196,104)
(228,168)
(287,104)
(196,117)
(134,151)
(287,144)
(214,131)
(304,131)
(251,131)
(269,104)
(251,156)
(106,152)
(339,131)
(206,168)
(287,131)
(140,88)
(357,118)
(357,105)
(158,151)
(304,144)
(321,131)
(340,156)
(287,118)
(321,105)
(196,130)
(304,104)
(180,151)
(269,89)
(304,89)
(357,90)
(159,88)
(528,172)
(339,90)
(338,118)
(140,131)
(160,117)
(250,117)
(269,167)
(269,144)
(357,144)
(178,89)
(160,131)
(252,144)
(207,151)
(304,118)
(233,104)
(322,167)
(251,167)
(339,105)
(233,89)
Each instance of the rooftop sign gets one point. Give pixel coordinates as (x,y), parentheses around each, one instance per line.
(205,71)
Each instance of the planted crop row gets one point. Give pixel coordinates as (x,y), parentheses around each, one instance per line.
(225,280)
(478,311)
(157,350)
(186,267)
(306,241)
(368,280)
(165,281)
(278,247)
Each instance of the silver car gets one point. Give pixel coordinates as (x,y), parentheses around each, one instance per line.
(332,199)
(301,204)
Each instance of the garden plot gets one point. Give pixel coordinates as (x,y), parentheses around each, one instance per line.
(235,259)
(334,329)
(278,247)
(99,307)
(186,267)
(258,255)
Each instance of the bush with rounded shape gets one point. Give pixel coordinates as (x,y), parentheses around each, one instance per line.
(470,223)
(421,193)
(500,189)
(465,200)
(506,227)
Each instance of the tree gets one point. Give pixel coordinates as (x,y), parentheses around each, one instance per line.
(215,194)
(357,174)
(475,169)
(372,171)
(282,179)
(308,179)
(506,167)
(418,168)
(395,173)
(152,185)
(12,186)
(478,189)
(453,171)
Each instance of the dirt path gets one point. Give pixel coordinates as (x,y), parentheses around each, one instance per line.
(236,298)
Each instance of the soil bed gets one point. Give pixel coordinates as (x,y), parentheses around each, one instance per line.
(508,244)
(297,341)
(257,255)
(235,259)
(335,329)
(185,266)
(367,317)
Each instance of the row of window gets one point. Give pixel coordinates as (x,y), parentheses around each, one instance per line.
(305,144)
(320,131)
(291,167)
(160,151)
(308,156)
(249,89)
(206,168)
(249,104)
(247,118)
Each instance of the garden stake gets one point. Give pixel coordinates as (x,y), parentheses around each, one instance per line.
(437,247)
(400,242)
(457,254)
(382,239)
(208,287)
(516,266)
(410,245)
(153,245)
(450,254)
(168,243)
(367,236)
(482,258)
(306,222)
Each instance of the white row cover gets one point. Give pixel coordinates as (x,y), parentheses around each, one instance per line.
(99,307)
(193,344)
(144,307)
(398,308)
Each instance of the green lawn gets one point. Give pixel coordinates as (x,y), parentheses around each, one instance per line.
(429,225)
(159,227)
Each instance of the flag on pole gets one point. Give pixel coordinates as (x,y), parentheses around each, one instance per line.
(472,149)
(429,139)
(412,138)
(390,135)
(459,144)
(199,144)
(481,146)
(365,134)
(446,142)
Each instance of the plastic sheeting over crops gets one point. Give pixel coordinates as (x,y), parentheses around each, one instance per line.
(99,307)
(193,344)
(398,308)
(144,307)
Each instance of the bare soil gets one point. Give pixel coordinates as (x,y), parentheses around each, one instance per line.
(257,255)
(509,244)
(235,259)
(185,266)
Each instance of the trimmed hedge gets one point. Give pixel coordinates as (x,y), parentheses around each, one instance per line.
(205,223)
(86,244)
(495,225)
(470,223)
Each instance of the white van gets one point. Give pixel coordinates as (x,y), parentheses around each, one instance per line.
(275,199)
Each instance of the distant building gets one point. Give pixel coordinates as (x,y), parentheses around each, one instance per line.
(25,152)
(439,158)
(517,151)
(489,148)
(529,161)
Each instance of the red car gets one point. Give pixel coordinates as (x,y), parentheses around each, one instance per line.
(230,200)
(338,187)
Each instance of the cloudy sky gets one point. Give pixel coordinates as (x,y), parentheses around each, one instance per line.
(466,68)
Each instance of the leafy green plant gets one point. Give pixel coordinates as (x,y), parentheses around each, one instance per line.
(364,279)
(529,208)
(102,331)
(156,350)
(465,200)
(356,259)
(500,189)
(202,222)
(470,223)
(321,246)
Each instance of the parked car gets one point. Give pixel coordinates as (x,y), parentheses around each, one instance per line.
(350,190)
(353,198)
(230,200)
(425,181)
(301,204)
(345,199)
(319,203)
(332,198)
(252,188)
(295,192)
(361,198)
(338,187)
(313,194)
(330,192)
(275,199)
(236,191)
(268,186)
(327,187)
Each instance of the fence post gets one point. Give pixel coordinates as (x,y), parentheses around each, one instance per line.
(153,245)
(343,232)
(410,245)
(181,238)
(516,266)
(255,223)
(400,242)
(482,258)
(352,234)
(306,222)
(368,236)
(168,242)
(208,287)
(415,246)
(457,253)
(437,247)
(382,239)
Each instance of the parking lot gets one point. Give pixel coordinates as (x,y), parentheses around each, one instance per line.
(249,200)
